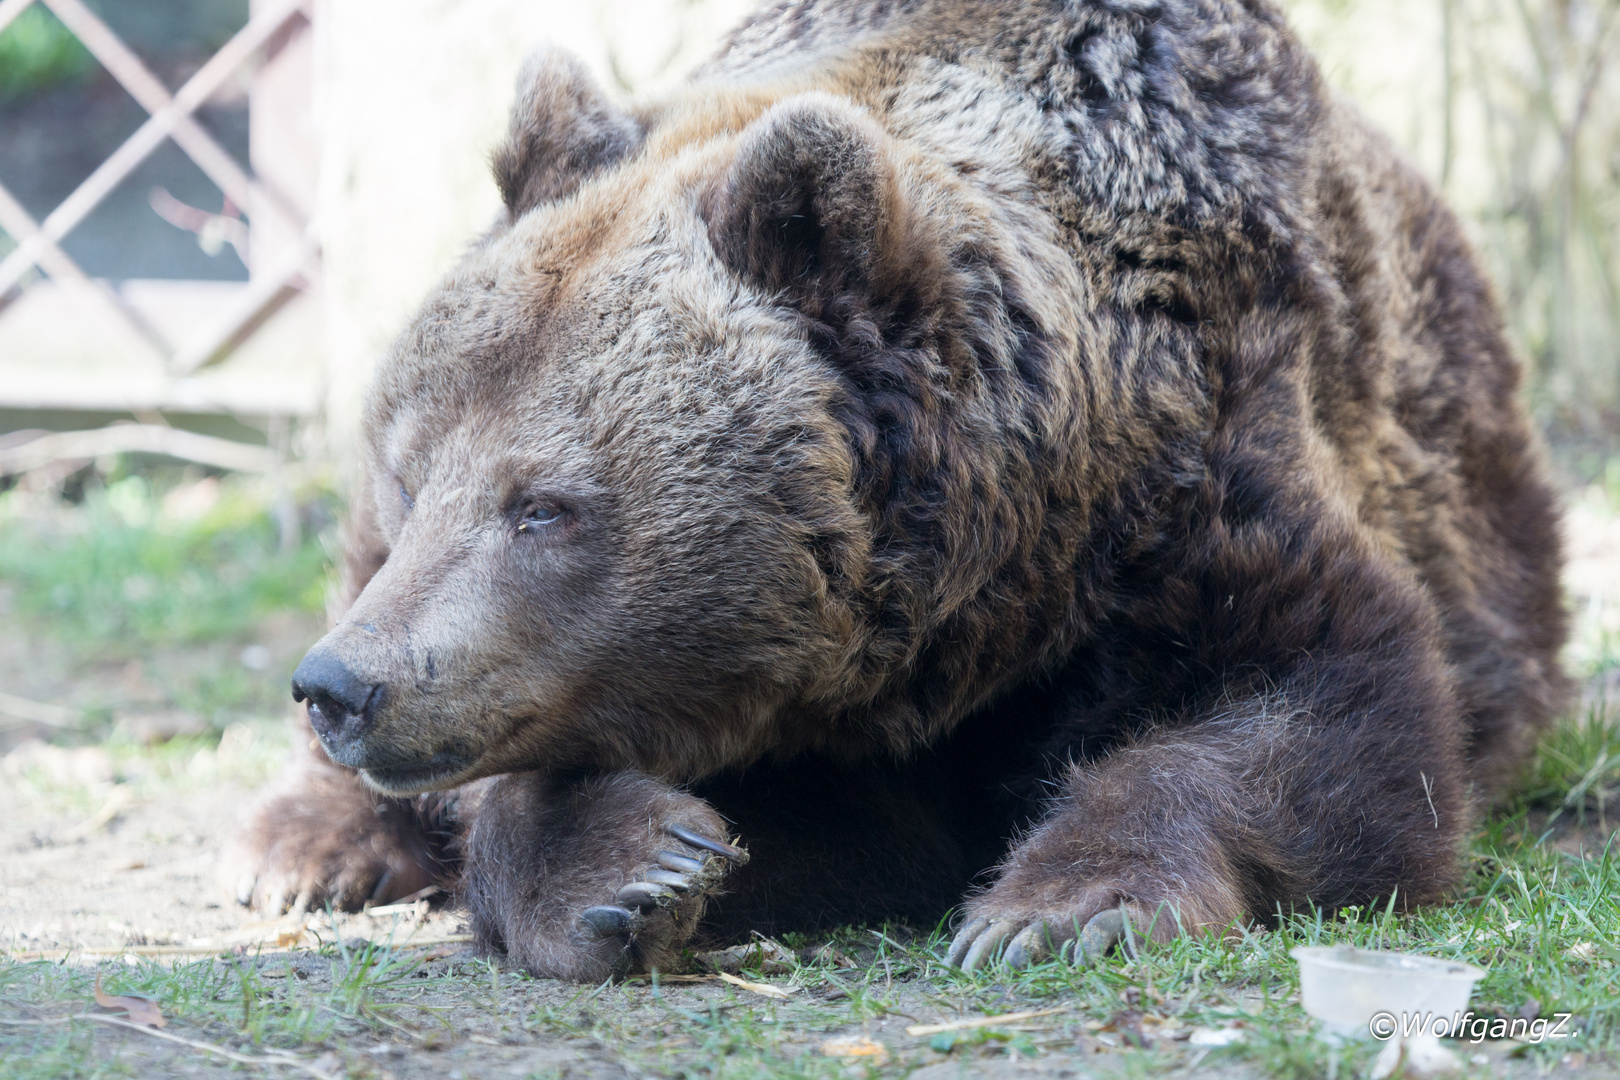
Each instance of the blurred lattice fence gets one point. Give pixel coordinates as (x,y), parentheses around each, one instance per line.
(72,341)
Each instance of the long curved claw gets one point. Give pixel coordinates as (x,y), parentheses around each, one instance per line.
(669,878)
(608,920)
(984,947)
(1029,946)
(681,864)
(963,941)
(644,895)
(706,843)
(1105,930)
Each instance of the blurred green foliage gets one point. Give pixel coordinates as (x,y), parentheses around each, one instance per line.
(121,573)
(1577,771)
(37,52)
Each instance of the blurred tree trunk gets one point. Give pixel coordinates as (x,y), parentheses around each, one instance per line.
(1521,128)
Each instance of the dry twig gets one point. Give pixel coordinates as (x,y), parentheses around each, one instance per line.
(981,1021)
(135,438)
(289,1061)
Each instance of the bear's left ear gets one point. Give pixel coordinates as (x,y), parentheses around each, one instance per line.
(814,206)
(563,130)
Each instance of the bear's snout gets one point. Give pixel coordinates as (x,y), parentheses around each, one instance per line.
(353,709)
(341,703)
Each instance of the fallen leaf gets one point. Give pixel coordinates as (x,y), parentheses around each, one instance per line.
(770,957)
(762,989)
(858,1047)
(287,939)
(141,1010)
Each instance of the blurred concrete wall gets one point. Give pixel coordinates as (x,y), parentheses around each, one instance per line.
(413,96)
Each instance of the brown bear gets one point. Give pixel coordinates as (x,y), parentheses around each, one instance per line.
(1053,440)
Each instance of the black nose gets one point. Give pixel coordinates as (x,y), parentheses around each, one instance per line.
(341,703)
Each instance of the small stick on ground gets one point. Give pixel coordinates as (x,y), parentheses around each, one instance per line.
(980,1021)
(762,989)
(195,1044)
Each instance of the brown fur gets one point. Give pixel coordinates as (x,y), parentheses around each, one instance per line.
(942,422)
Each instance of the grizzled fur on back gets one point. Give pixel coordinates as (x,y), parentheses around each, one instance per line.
(943,421)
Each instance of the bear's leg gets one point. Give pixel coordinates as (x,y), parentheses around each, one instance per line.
(591,879)
(325,837)
(1338,786)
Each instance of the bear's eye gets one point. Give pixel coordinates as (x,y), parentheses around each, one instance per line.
(406,500)
(539,516)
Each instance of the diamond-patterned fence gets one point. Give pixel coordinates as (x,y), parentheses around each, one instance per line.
(174,331)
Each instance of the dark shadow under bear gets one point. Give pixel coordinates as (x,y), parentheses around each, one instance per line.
(946,437)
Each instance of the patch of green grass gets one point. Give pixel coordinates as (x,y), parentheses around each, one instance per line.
(120,572)
(1578,769)
(37,52)
(143,597)
(61,1052)
(331,997)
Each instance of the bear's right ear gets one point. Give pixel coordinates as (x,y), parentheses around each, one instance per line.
(814,206)
(563,130)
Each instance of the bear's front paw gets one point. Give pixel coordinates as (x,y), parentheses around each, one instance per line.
(656,906)
(692,873)
(592,879)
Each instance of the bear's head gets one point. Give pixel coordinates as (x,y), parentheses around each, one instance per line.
(672,470)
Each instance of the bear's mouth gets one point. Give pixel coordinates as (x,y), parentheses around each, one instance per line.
(414,777)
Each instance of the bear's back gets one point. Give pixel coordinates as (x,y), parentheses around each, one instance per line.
(1217,196)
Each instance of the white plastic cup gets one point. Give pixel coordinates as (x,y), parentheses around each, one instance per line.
(1346,988)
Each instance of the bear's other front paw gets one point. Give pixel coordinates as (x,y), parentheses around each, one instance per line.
(1056,898)
(329,840)
(1077,936)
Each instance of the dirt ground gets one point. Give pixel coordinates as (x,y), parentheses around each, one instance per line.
(135,876)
